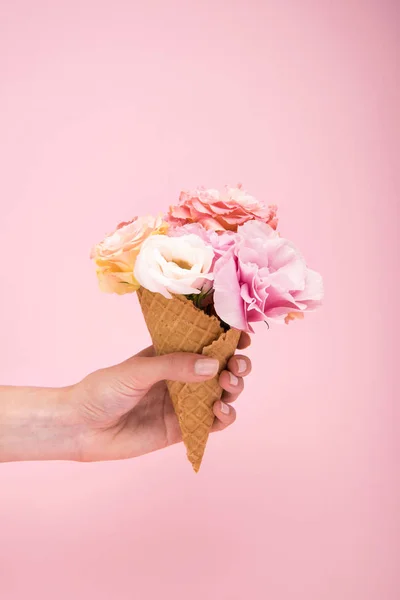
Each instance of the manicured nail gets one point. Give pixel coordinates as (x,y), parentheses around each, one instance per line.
(241,365)
(233,380)
(206,366)
(224,408)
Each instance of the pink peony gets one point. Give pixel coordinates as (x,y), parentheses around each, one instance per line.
(263,276)
(220,211)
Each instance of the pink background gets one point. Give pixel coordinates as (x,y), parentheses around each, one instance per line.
(108,109)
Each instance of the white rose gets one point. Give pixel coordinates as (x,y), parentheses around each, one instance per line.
(177,265)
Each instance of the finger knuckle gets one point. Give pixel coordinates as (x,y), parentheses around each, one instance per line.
(177,365)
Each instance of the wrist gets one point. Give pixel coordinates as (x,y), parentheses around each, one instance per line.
(38,424)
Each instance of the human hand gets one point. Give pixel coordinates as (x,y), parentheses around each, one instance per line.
(126,411)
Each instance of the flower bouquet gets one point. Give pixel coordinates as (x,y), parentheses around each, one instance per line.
(204,272)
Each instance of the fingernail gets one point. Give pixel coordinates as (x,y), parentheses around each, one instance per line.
(206,366)
(233,380)
(241,365)
(224,408)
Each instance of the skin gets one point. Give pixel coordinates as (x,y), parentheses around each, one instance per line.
(115,413)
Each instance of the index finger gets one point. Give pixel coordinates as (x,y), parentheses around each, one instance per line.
(149,351)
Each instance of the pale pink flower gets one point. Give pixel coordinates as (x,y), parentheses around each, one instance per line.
(263,277)
(220,211)
(219,242)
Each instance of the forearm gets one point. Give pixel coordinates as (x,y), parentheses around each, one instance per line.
(37,424)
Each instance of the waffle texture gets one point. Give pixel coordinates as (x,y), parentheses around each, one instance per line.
(178,326)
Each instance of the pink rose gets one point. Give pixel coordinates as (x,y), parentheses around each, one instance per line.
(263,276)
(220,211)
(115,256)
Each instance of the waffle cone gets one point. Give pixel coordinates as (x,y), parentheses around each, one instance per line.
(178,326)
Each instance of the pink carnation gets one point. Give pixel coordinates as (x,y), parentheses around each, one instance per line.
(220,211)
(220,243)
(263,276)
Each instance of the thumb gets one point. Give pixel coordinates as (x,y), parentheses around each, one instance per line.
(144,371)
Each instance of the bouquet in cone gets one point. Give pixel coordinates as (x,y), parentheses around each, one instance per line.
(204,272)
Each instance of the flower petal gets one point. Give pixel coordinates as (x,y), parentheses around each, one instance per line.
(228,302)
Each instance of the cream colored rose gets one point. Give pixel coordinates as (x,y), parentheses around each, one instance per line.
(115,256)
(174,265)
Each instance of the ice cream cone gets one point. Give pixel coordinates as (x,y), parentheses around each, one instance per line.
(178,326)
